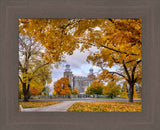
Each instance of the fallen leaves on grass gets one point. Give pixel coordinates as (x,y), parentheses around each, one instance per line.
(19,109)
(34,104)
(106,106)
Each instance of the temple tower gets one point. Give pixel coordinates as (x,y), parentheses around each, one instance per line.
(91,76)
(68,74)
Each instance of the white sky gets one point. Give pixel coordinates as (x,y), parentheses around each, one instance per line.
(78,64)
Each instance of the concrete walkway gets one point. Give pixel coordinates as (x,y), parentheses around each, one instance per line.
(60,107)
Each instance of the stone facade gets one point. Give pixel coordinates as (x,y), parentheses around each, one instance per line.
(79,82)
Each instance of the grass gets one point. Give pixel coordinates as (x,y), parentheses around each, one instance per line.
(106,106)
(34,104)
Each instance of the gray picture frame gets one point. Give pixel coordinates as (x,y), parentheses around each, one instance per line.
(12,10)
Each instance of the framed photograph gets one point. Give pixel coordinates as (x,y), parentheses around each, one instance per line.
(79,65)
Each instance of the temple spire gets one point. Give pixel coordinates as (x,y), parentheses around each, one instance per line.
(91,71)
(67,68)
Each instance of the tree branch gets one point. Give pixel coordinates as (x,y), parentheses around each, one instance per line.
(37,70)
(20,79)
(117,74)
(20,65)
(115,60)
(126,71)
(134,69)
(111,20)
(118,51)
(129,61)
(137,79)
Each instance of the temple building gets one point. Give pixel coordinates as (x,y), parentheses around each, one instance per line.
(79,82)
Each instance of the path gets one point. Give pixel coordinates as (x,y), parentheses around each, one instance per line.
(83,99)
(60,107)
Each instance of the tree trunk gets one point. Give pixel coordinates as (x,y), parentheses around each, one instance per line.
(25,93)
(131,92)
(111,96)
(26,98)
(19,97)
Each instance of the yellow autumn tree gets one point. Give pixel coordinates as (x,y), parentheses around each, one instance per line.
(54,93)
(35,88)
(96,87)
(20,91)
(58,36)
(75,91)
(61,86)
(34,71)
(54,34)
(112,89)
(124,93)
(42,94)
(120,44)
(139,92)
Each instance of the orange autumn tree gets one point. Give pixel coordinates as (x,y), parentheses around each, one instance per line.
(61,87)
(54,93)
(36,88)
(34,91)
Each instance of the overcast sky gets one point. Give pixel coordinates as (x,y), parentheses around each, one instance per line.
(78,64)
